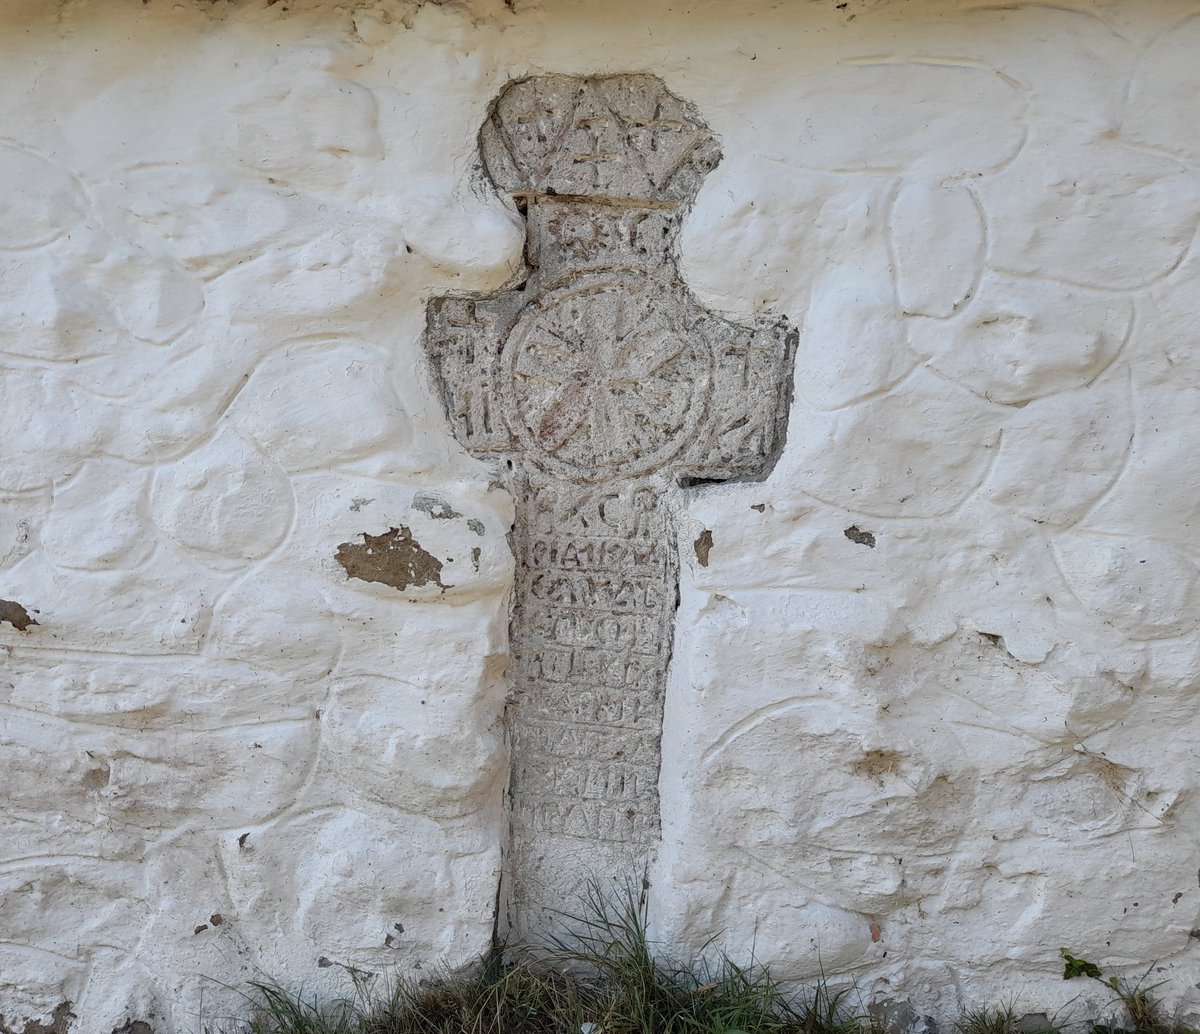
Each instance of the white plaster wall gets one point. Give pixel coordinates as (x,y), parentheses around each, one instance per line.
(219,224)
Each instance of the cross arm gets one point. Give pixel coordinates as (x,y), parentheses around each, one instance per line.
(748,405)
(463,343)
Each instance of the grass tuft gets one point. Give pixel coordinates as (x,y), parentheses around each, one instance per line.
(1002,1019)
(603,975)
(628,986)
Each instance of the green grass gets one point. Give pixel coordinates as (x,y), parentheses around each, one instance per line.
(627,987)
(603,970)
(1144,1012)
(1002,1019)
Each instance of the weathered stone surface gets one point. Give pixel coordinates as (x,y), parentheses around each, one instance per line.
(593,387)
(924,764)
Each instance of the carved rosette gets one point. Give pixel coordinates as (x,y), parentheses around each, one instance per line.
(603,381)
(595,386)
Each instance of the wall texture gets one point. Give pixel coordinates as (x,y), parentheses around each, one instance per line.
(933,704)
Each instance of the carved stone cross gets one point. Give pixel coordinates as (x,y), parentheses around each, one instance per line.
(595,385)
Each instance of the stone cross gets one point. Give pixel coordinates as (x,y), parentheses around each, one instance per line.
(595,385)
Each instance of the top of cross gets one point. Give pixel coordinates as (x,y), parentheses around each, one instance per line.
(619,137)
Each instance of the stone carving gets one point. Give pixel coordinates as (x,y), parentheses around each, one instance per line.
(595,385)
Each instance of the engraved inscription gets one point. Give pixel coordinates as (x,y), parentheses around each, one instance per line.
(596,386)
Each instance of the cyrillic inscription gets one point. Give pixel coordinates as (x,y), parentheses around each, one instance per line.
(595,386)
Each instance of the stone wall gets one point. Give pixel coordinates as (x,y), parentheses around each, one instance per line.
(932,707)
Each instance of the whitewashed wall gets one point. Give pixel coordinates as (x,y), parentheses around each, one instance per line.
(934,704)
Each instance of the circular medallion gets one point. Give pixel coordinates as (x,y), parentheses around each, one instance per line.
(602,380)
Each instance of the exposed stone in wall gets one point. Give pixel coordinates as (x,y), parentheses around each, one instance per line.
(593,387)
(16,615)
(393,557)
(926,763)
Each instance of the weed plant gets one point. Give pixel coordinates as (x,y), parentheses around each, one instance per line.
(1143,1010)
(602,976)
(627,987)
(1001,1019)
